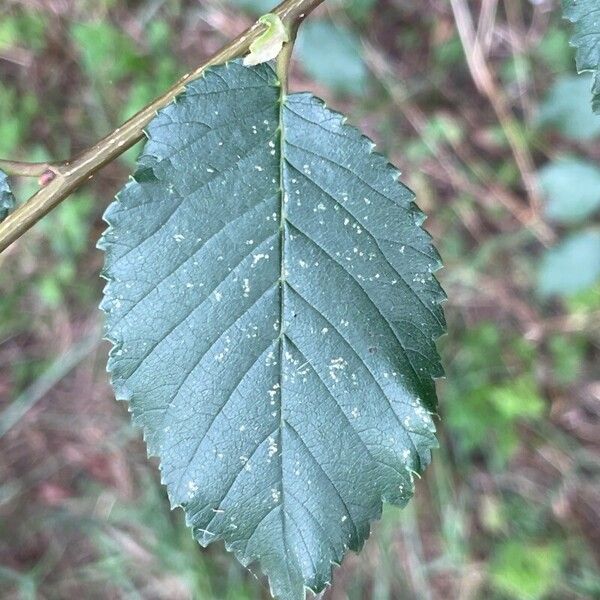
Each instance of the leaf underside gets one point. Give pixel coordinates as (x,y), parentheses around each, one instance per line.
(7,200)
(585,15)
(273,312)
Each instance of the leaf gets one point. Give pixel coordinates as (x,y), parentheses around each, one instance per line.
(273,312)
(7,200)
(255,7)
(572,187)
(567,108)
(269,43)
(585,15)
(572,266)
(526,571)
(344,70)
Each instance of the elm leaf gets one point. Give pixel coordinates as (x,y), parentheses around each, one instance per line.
(273,310)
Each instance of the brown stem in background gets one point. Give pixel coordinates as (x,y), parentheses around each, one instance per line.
(487,191)
(486,84)
(75,172)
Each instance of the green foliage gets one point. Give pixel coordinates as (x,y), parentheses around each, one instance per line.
(568,356)
(7,200)
(571,266)
(572,188)
(552,51)
(344,69)
(29,26)
(360,10)
(157,72)
(441,129)
(266,269)
(518,399)
(107,53)
(526,571)
(67,231)
(586,39)
(448,54)
(586,301)
(483,407)
(566,107)
(110,56)
(21,108)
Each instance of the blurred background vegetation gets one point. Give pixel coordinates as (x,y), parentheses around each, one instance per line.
(479,105)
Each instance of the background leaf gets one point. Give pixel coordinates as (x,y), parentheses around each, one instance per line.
(526,572)
(572,188)
(571,266)
(273,310)
(7,200)
(567,108)
(344,70)
(584,14)
(255,7)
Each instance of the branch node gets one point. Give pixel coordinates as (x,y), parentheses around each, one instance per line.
(46,177)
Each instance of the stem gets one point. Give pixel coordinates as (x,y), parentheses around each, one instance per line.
(285,55)
(486,84)
(26,169)
(75,172)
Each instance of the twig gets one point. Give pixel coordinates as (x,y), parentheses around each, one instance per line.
(61,367)
(26,169)
(380,67)
(517,42)
(485,26)
(486,84)
(75,172)
(44,171)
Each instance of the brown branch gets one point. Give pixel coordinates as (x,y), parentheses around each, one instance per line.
(75,172)
(44,171)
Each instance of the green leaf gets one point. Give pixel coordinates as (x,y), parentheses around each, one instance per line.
(273,310)
(344,70)
(7,200)
(255,7)
(106,52)
(567,108)
(572,266)
(585,14)
(572,187)
(526,571)
(268,45)
(519,398)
